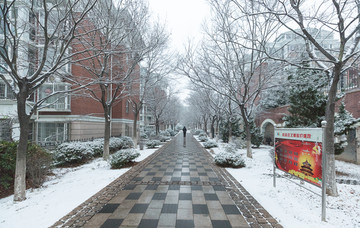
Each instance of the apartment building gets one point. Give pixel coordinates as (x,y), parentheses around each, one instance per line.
(64,116)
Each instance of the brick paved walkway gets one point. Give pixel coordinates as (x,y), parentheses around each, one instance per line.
(177,187)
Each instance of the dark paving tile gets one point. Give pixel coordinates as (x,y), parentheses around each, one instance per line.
(133,196)
(192,169)
(184,223)
(168,173)
(151,174)
(221,224)
(194,178)
(159,196)
(147,169)
(152,187)
(208,170)
(200,209)
(177,169)
(138,178)
(185,174)
(202,174)
(231,210)
(185,196)
(139,208)
(196,187)
(109,208)
(169,208)
(210,196)
(156,178)
(110,223)
(162,169)
(175,178)
(174,187)
(219,188)
(129,187)
(148,223)
(214,179)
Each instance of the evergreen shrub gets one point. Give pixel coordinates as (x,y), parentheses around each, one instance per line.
(152,144)
(210,144)
(122,157)
(203,138)
(38,164)
(232,160)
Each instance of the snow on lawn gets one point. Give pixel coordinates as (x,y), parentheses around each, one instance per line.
(69,188)
(291,205)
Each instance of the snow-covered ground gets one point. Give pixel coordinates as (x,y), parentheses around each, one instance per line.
(291,205)
(61,194)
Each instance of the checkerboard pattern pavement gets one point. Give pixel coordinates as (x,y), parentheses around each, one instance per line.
(178,187)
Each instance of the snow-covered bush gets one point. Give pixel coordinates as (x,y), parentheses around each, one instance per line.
(230,148)
(143,135)
(171,132)
(122,157)
(239,142)
(203,138)
(127,142)
(210,144)
(197,132)
(225,159)
(165,133)
(73,152)
(202,133)
(97,147)
(152,143)
(164,138)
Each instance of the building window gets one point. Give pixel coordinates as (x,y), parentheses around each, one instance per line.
(52,133)
(127,107)
(127,130)
(59,101)
(6,92)
(3,65)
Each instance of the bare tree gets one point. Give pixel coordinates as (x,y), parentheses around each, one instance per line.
(232,60)
(35,40)
(156,100)
(155,65)
(314,22)
(114,48)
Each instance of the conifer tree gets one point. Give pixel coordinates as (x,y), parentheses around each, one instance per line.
(307,101)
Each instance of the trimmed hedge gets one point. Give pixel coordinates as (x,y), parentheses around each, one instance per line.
(80,152)
(122,157)
(225,159)
(210,144)
(152,144)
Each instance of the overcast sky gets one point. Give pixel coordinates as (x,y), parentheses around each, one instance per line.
(183,19)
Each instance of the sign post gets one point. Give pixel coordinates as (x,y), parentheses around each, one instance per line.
(324,168)
(299,152)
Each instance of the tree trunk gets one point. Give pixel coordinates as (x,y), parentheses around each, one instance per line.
(106,153)
(135,132)
(329,134)
(248,140)
(157,126)
(213,126)
(205,124)
(230,130)
(247,132)
(20,169)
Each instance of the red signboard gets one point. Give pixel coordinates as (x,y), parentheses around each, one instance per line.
(299,152)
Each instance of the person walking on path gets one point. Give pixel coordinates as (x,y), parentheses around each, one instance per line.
(184,131)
